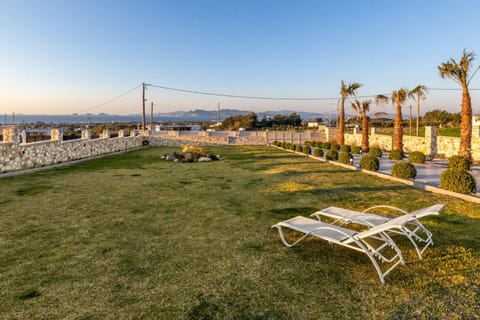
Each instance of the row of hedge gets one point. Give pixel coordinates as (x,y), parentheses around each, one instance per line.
(456,178)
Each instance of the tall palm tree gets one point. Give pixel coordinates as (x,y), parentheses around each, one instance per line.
(362,109)
(420,92)
(345,92)
(399,97)
(459,72)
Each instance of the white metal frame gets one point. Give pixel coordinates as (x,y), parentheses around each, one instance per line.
(348,238)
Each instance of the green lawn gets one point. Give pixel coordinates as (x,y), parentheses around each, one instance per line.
(132,236)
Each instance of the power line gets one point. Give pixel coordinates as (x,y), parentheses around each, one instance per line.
(111,100)
(228,95)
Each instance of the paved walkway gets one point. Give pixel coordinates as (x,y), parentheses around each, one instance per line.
(428,173)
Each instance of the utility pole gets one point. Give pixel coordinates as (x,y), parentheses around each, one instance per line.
(151,116)
(411,121)
(143,105)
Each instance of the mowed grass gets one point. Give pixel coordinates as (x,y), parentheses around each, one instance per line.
(132,236)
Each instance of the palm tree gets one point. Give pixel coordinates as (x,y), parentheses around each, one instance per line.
(420,92)
(362,109)
(459,71)
(345,92)
(398,98)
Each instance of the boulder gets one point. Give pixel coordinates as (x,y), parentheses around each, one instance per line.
(204,159)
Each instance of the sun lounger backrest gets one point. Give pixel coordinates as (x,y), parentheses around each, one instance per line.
(400,221)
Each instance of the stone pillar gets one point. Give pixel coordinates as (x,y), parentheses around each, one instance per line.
(372,131)
(56,134)
(476,143)
(132,132)
(431,141)
(121,133)
(327,134)
(10,135)
(354,131)
(86,134)
(105,134)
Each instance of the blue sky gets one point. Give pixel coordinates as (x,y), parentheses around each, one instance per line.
(60,57)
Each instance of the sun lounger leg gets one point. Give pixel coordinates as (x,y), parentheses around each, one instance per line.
(285,242)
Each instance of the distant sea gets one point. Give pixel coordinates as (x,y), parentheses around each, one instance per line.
(59,119)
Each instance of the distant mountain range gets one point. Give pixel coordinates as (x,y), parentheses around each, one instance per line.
(206,115)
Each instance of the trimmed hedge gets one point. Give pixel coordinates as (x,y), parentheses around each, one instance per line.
(396,155)
(331,155)
(344,157)
(404,170)
(318,152)
(326,145)
(375,152)
(458,162)
(369,162)
(293,147)
(416,157)
(306,149)
(319,144)
(356,149)
(458,180)
(298,148)
(345,148)
(334,146)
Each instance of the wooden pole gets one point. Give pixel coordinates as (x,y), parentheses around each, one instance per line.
(143,105)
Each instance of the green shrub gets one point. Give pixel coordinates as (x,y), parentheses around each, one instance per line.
(356,149)
(331,155)
(319,144)
(306,149)
(326,145)
(308,143)
(375,152)
(369,162)
(345,157)
(345,148)
(458,162)
(298,148)
(404,170)
(458,180)
(318,152)
(396,155)
(334,146)
(293,147)
(416,157)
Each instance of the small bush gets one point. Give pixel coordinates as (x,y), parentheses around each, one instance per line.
(319,144)
(298,148)
(356,149)
(345,148)
(293,147)
(396,155)
(416,157)
(404,170)
(326,145)
(318,152)
(458,162)
(334,146)
(345,157)
(308,143)
(375,152)
(369,162)
(331,155)
(458,180)
(306,149)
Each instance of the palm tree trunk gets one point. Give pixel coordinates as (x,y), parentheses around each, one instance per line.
(398,129)
(365,144)
(341,123)
(466,128)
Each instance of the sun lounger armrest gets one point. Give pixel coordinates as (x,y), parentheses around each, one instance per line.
(385,206)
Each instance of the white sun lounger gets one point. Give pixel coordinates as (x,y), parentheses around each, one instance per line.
(374,242)
(419,236)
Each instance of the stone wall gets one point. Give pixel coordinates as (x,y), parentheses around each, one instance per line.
(19,156)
